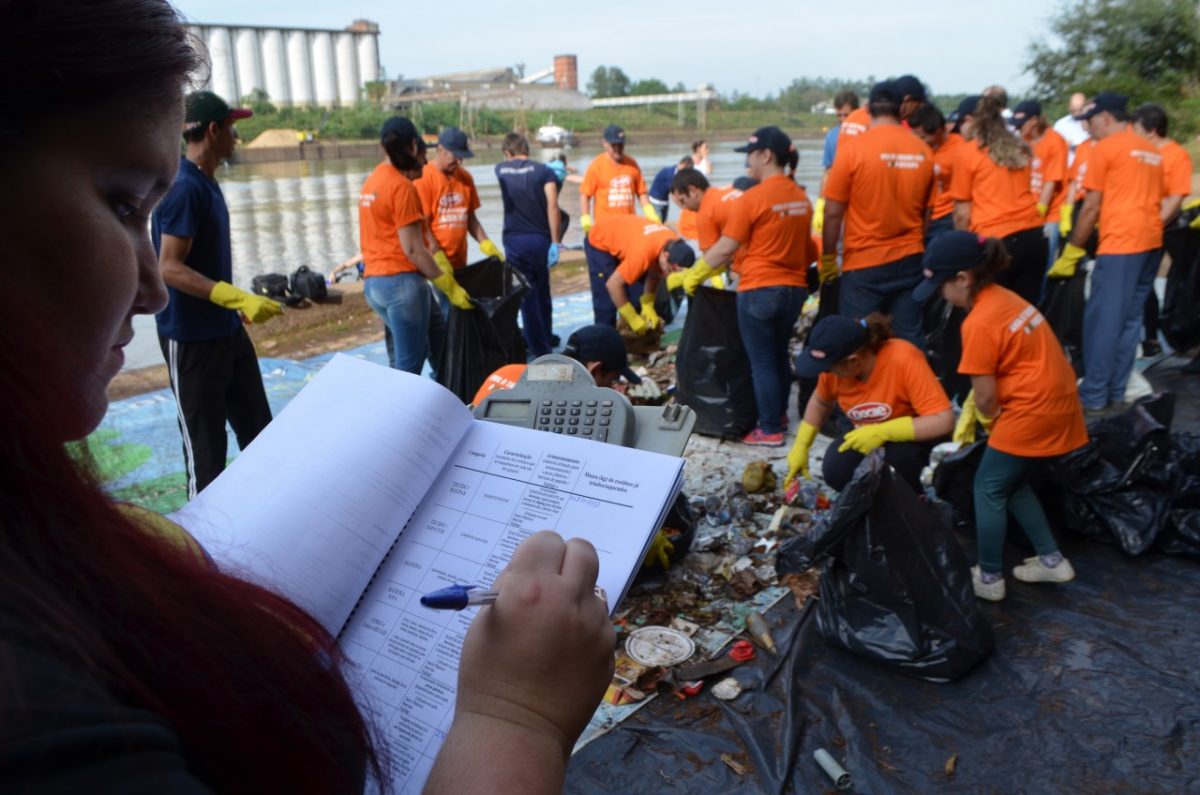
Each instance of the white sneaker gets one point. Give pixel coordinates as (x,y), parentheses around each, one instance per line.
(1033,570)
(991,591)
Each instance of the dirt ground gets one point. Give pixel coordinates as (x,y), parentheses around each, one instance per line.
(339,324)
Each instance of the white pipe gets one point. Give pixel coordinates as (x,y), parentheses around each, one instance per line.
(246,57)
(275,76)
(347,70)
(324,70)
(299,69)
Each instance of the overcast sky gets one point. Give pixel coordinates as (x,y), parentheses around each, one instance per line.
(955,46)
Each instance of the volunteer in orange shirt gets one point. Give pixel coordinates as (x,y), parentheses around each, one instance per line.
(879,187)
(1024,394)
(1048,172)
(883,385)
(449,200)
(772,222)
(990,187)
(711,207)
(612,182)
(930,126)
(1124,184)
(395,259)
(631,253)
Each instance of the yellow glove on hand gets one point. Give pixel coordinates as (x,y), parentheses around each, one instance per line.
(660,547)
(586,222)
(636,324)
(696,275)
(490,249)
(828,269)
(869,437)
(818,217)
(964,429)
(1191,205)
(648,312)
(453,290)
(1043,209)
(986,422)
(675,280)
(255,308)
(1065,219)
(798,457)
(1064,267)
(717,282)
(443,262)
(651,213)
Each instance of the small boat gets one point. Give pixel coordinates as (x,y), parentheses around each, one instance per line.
(553,135)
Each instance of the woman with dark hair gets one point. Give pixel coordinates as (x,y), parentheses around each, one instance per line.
(990,186)
(127,661)
(1024,395)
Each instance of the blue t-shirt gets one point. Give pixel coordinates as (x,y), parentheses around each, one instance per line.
(195,208)
(523,188)
(831,139)
(660,188)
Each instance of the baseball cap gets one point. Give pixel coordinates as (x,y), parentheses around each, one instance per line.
(946,255)
(830,341)
(205,107)
(887,91)
(965,108)
(1024,112)
(1104,102)
(400,126)
(613,134)
(681,254)
(744,183)
(909,86)
(602,344)
(454,141)
(771,138)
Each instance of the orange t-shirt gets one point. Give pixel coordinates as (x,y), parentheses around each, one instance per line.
(388,201)
(614,186)
(1177,169)
(713,215)
(900,385)
(1049,165)
(943,170)
(1040,414)
(772,222)
(857,123)
(688,228)
(635,242)
(1128,170)
(505,377)
(885,179)
(448,201)
(1001,204)
(1079,167)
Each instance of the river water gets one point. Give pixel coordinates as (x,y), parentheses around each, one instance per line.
(284,215)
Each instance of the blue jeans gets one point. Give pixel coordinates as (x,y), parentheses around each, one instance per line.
(601,265)
(1112,324)
(527,253)
(1002,487)
(766,317)
(885,288)
(403,302)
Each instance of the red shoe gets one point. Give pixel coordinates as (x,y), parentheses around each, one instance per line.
(757,437)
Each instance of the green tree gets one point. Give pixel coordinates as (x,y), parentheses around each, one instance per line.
(258,101)
(608,81)
(376,92)
(648,86)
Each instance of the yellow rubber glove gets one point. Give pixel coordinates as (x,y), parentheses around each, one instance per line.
(818,217)
(828,269)
(1192,204)
(1066,219)
(453,290)
(1064,267)
(636,324)
(870,437)
(675,280)
(660,547)
(586,222)
(443,262)
(1043,209)
(798,457)
(255,308)
(986,422)
(696,275)
(964,429)
(651,213)
(649,314)
(490,249)
(717,282)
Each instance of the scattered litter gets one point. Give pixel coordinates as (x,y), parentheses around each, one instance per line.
(734,765)
(756,625)
(951,764)
(758,476)
(837,774)
(727,689)
(659,646)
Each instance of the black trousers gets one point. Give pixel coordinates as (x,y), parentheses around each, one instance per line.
(215,381)
(907,458)
(1027,271)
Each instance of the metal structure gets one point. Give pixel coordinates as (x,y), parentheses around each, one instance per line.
(701,96)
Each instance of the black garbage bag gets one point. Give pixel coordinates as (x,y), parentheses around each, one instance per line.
(895,585)
(487,337)
(943,345)
(1182,534)
(712,369)
(1062,306)
(1179,318)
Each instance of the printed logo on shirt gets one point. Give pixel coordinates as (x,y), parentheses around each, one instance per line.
(452,210)
(650,229)
(1027,321)
(785,209)
(1147,158)
(366,199)
(733,194)
(620,191)
(869,412)
(907,160)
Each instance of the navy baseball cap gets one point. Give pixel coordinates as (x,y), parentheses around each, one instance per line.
(830,341)
(1024,112)
(887,91)
(744,183)
(965,108)
(613,134)
(398,125)
(602,344)
(1104,102)
(681,254)
(909,86)
(946,255)
(454,141)
(771,138)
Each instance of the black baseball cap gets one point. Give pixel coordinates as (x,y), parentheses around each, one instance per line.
(1104,102)
(1024,112)
(965,108)
(744,183)
(602,344)
(771,138)
(681,254)
(830,341)
(946,255)
(400,126)
(887,91)
(909,86)
(613,134)
(205,107)
(454,141)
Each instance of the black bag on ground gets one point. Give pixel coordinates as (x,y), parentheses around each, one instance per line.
(309,284)
(1179,318)
(943,345)
(712,369)
(895,585)
(272,285)
(480,340)
(1062,306)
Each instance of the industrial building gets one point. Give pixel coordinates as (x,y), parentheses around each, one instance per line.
(504,88)
(294,66)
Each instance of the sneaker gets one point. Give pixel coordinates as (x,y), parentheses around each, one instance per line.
(757,437)
(1150,349)
(991,591)
(1090,414)
(1033,570)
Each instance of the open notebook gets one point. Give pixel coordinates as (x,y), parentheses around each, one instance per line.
(374,487)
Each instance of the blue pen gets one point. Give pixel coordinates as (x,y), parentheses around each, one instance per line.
(460,597)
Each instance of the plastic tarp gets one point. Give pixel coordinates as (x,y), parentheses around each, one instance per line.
(712,369)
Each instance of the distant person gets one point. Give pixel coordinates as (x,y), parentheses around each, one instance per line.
(712,207)
(912,93)
(611,184)
(844,103)
(1048,170)
(700,160)
(210,359)
(660,188)
(531,234)
(962,117)
(627,256)
(449,200)
(1073,131)
(930,126)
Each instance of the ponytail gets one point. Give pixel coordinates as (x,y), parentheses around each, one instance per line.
(993,260)
(879,331)
(793,160)
(399,150)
